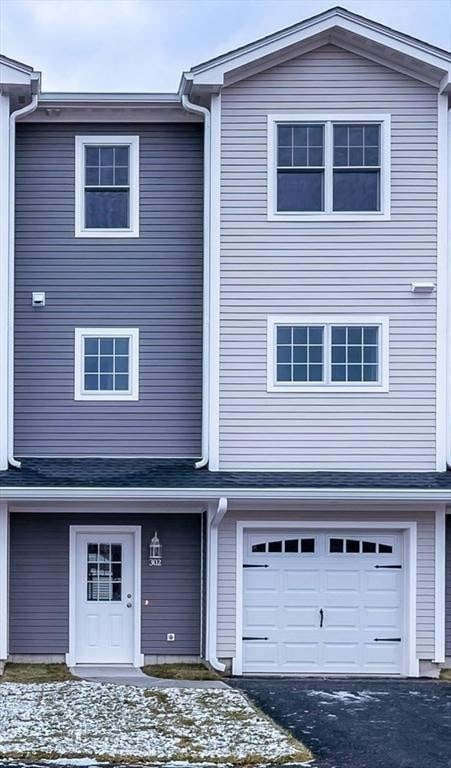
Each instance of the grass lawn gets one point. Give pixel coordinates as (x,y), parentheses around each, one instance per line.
(181,672)
(35,673)
(130,725)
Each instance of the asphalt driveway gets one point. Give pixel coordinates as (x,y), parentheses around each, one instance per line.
(361,723)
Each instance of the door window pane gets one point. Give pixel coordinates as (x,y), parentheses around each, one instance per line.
(104,572)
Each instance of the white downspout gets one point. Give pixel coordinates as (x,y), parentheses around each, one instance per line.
(190,107)
(11,265)
(214,519)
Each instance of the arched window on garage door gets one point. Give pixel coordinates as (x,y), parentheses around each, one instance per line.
(288,546)
(354,546)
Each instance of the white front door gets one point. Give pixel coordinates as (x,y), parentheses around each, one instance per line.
(104,597)
(323,602)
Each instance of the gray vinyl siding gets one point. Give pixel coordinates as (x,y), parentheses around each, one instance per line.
(226,630)
(39,581)
(281,267)
(448,588)
(153,283)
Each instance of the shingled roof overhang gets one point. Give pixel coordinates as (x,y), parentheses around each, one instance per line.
(91,478)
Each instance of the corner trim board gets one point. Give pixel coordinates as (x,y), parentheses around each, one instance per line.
(440,584)
(215,280)
(4,580)
(443,393)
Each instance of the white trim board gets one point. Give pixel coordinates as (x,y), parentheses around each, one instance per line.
(297,494)
(410,662)
(138,659)
(383,119)
(443,358)
(4,276)
(101,140)
(4,579)
(440,584)
(215,281)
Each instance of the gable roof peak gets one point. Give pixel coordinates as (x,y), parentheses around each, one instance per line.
(337,25)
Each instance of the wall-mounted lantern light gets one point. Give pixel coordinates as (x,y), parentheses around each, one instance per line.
(155,551)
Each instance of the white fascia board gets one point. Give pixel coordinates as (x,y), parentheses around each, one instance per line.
(296,494)
(58,98)
(214,73)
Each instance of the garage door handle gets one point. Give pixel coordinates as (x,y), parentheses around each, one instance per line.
(254,565)
(255,638)
(387,639)
(321,617)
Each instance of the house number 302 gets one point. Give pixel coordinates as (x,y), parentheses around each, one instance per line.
(155,561)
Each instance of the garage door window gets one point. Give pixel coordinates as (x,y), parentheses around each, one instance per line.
(285,546)
(358,547)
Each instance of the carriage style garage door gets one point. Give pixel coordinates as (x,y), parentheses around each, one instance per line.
(323,602)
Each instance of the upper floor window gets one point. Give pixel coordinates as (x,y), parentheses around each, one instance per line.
(340,353)
(328,167)
(106,363)
(107,186)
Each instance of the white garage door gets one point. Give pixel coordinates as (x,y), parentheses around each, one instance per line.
(323,602)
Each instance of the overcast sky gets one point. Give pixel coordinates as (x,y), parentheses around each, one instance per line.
(143,45)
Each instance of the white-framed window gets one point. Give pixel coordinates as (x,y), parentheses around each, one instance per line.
(332,167)
(106,364)
(107,186)
(336,353)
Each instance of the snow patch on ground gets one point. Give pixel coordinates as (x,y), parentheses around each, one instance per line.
(129,724)
(344,697)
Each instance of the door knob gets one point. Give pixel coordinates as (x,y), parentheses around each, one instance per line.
(129,605)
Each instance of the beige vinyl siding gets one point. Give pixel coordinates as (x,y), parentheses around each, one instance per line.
(276,267)
(226,630)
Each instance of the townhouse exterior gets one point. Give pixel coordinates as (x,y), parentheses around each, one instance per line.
(224,363)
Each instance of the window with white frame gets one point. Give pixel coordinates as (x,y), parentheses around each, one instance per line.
(106,363)
(335,167)
(334,352)
(107,186)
